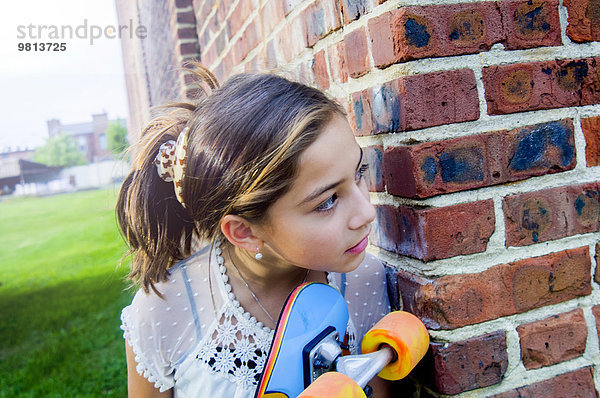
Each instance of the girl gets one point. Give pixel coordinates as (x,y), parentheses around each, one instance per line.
(267,172)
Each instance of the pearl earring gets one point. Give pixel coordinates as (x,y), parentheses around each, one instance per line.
(258,254)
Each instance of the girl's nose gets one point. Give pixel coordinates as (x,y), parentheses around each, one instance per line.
(363,211)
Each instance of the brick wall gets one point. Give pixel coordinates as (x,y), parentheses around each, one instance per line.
(482,124)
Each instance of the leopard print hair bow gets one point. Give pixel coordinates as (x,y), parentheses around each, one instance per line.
(171,162)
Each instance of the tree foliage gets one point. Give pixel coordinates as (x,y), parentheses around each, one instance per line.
(116,135)
(59,150)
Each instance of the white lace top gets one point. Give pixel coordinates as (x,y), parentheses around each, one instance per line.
(204,344)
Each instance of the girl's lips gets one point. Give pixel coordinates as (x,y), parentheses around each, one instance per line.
(360,247)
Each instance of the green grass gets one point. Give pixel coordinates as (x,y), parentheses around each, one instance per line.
(61,294)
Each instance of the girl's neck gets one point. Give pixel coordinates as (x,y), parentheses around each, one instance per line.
(262,274)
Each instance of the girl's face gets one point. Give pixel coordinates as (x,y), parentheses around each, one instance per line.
(323,221)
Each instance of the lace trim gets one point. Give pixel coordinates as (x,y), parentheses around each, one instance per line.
(236,348)
(141,362)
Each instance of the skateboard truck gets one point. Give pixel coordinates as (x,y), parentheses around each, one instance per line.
(324,354)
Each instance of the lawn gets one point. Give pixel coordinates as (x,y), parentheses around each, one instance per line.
(61,293)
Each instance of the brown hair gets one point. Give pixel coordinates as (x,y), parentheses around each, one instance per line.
(244,142)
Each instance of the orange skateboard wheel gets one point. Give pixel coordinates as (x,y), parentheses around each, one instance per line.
(333,385)
(406,335)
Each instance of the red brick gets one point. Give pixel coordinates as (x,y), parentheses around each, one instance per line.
(187,17)
(186,33)
(183,3)
(434,99)
(435,233)
(354,9)
(576,384)
(551,214)
(530,24)
(541,85)
(187,49)
(239,15)
(373,155)
(382,40)
(582,23)
(271,14)
(596,312)
(443,30)
(433,168)
(597,274)
(553,340)
(319,67)
(289,5)
(453,301)
(337,62)
(591,131)
(209,55)
(361,118)
(469,364)
(357,52)
(321,18)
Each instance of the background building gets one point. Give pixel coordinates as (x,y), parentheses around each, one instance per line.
(482,124)
(90,136)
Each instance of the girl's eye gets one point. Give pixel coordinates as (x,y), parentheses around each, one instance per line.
(361,172)
(328,204)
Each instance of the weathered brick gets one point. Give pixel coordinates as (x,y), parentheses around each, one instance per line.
(357,52)
(576,384)
(439,167)
(361,118)
(186,33)
(438,98)
(320,18)
(551,214)
(373,156)
(435,233)
(354,9)
(552,340)
(337,62)
(411,102)
(597,274)
(455,29)
(239,15)
(271,14)
(382,40)
(541,85)
(453,301)
(289,5)
(443,30)
(469,364)
(591,131)
(596,312)
(582,23)
(188,49)
(530,23)
(319,67)
(186,17)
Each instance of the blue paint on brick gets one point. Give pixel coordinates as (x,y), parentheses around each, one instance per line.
(579,205)
(547,71)
(532,148)
(430,169)
(530,21)
(462,165)
(457,33)
(359,111)
(416,34)
(386,110)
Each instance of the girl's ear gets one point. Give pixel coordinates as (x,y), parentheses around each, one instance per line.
(241,233)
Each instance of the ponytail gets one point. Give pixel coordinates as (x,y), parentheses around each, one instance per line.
(158,229)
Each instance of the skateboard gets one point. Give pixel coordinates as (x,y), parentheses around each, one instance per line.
(306,357)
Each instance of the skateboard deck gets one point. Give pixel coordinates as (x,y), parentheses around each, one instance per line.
(306,359)
(312,309)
